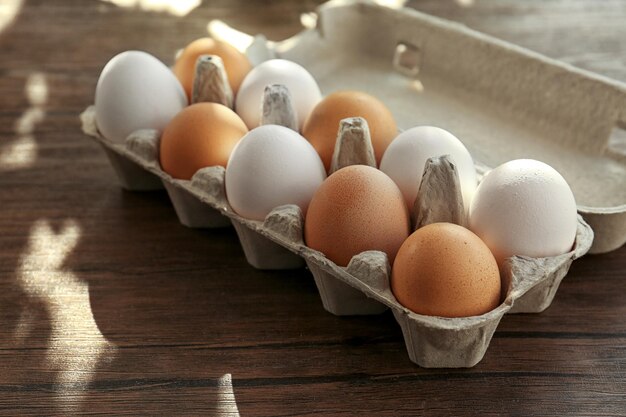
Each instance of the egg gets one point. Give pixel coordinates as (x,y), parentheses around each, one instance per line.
(136,91)
(524,207)
(236,64)
(304,91)
(405,160)
(321,127)
(201,135)
(357,208)
(446,270)
(272,166)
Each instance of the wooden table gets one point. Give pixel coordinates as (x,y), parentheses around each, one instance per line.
(109,305)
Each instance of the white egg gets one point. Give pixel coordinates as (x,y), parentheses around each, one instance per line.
(136,91)
(305,93)
(524,207)
(271,166)
(406,156)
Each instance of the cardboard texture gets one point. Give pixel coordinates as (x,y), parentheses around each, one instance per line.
(353,145)
(439,196)
(363,286)
(210,83)
(278,108)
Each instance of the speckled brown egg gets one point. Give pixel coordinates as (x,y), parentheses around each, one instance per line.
(446,270)
(357,208)
(236,64)
(321,127)
(199,136)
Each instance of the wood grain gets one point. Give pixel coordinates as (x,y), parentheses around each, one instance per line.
(109,306)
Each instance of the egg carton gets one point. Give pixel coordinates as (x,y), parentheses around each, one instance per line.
(361,288)
(339,59)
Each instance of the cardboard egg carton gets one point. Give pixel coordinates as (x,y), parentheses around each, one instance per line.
(362,287)
(341,56)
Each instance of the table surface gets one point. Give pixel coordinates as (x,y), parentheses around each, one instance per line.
(109,305)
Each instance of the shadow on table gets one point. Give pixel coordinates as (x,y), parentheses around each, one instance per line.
(181,309)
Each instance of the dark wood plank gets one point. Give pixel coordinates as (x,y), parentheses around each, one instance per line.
(109,306)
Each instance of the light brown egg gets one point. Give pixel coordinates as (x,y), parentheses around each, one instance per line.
(236,64)
(201,135)
(322,124)
(446,270)
(357,208)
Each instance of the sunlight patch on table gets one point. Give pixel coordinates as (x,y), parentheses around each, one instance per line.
(76,345)
(219,30)
(37,89)
(9,10)
(393,4)
(465,3)
(308,20)
(174,7)
(22,151)
(226,404)
(25,125)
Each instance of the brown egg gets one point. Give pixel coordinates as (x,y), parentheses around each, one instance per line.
(446,270)
(322,124)
(357,208)
(236,64)
(201,135)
